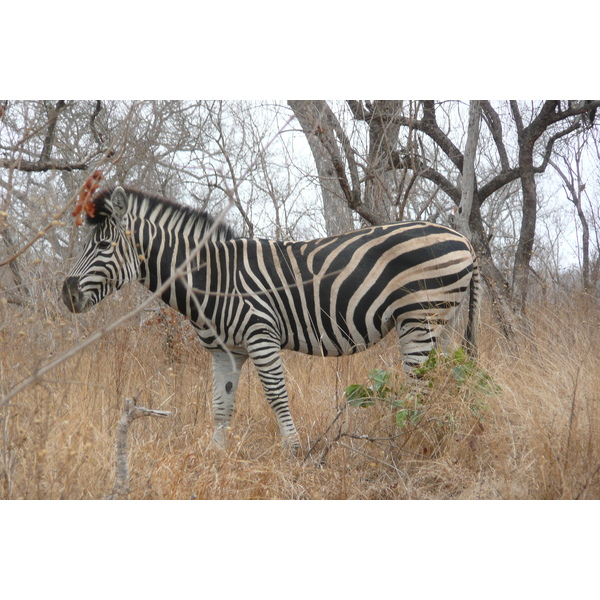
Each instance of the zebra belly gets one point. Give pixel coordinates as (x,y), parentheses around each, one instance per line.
(327,347)
(310,340)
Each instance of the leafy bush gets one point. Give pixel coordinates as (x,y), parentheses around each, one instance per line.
(456,373)
(380,388)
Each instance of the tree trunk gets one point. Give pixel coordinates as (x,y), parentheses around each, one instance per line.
(497,286)
(311,115)
(22,294)
(383,139)
(524,250)
(585,243)
(463,214)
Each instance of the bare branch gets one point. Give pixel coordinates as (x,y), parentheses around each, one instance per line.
(39,166)
(49,140)
(550,145)
(495,126)
(130,412)
(429,126)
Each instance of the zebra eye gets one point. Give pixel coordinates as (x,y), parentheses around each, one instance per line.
(105,245)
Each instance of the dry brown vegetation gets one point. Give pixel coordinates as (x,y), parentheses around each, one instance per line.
(537,437)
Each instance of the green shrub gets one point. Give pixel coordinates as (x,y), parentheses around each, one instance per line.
(409,401)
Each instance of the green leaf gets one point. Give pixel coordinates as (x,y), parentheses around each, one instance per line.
(460,356)
(358,395)
(355,391)
(401,417)
(381,381)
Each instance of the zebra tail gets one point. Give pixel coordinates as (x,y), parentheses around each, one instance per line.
(472,333)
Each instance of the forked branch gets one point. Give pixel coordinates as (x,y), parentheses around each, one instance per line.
(131,411)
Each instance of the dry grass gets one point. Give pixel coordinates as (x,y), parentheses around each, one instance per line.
(537,438)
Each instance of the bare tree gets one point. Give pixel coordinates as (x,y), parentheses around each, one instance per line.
(321,129)
(196,152)
(570,163)
(376,161)
(438,159)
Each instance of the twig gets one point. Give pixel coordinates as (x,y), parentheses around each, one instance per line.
(130,412)
(587,483)
(56,220)
(339,413)
(571,415)
(373,458)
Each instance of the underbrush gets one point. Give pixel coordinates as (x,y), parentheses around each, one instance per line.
(522,422)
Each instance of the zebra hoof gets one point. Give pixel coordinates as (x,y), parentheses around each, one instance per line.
(219,438)
(291,446)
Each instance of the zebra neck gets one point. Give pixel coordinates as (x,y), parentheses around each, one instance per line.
(162,248)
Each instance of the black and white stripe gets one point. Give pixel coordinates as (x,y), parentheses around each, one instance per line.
(252,297)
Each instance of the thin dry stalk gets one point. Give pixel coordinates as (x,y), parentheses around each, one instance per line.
(130,412)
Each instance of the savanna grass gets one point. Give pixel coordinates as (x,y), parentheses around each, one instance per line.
(535,435)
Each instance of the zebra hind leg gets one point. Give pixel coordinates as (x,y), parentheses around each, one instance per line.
(417,339)
(226,376)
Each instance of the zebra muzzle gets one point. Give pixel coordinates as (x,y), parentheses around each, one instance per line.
(72,296)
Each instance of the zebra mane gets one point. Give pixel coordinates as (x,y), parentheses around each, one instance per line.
(147,204)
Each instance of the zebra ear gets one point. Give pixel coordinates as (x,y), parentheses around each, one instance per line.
(118,199)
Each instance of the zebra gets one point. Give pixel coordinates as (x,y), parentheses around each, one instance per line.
(252,298)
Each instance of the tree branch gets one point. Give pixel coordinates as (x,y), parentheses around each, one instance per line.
(469,181)
(49,139)
(502,179)
(514,107)
(550,145)
(358,110)
(348,152)
(443,182)
(40,166)
(495,126)
(429,125)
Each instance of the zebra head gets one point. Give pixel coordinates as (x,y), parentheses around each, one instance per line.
(108,260)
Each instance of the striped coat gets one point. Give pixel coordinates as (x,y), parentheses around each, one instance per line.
(252,298)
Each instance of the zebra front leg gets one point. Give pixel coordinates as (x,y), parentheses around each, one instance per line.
(226,376)
(267,360)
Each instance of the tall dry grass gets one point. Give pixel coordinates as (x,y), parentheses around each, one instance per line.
(536,438)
